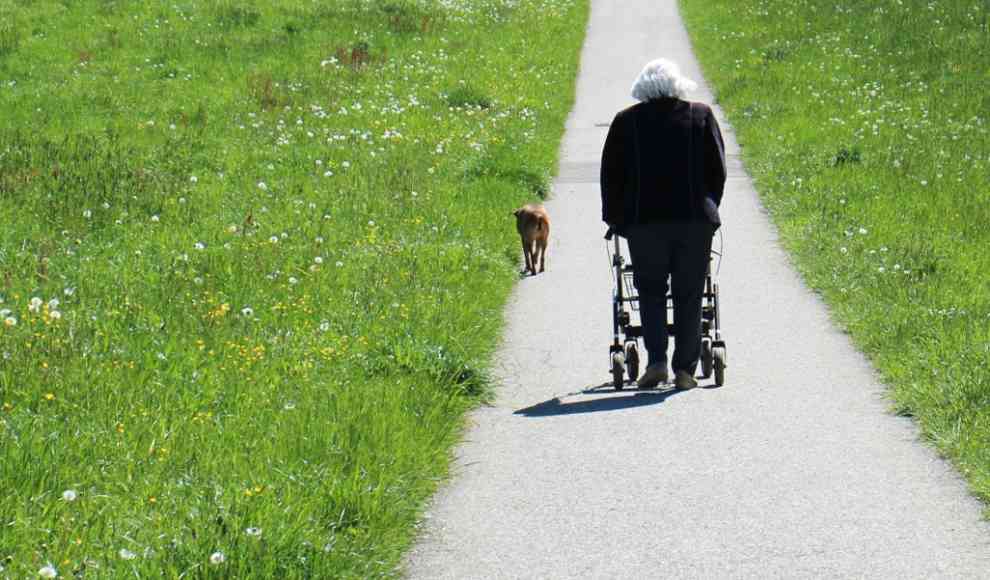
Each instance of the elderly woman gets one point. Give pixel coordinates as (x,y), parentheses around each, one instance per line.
(662,176)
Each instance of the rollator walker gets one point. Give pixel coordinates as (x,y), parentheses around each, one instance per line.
(624,351)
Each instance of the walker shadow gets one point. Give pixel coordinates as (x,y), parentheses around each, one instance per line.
(614,401)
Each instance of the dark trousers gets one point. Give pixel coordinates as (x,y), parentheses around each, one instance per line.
(680,251)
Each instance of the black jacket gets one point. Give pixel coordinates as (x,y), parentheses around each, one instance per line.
(663,161)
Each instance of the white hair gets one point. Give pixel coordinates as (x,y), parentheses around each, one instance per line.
(661,78)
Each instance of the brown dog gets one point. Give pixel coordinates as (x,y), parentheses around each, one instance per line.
(533,224)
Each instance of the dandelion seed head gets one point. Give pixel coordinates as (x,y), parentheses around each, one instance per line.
(48,571)
(217,558)
(126,554)
(69,495)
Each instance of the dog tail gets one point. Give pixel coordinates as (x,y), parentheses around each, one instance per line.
(542,223)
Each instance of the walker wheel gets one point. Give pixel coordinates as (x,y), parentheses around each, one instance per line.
(706,358)
(618,362)
(632,361)
(718,353)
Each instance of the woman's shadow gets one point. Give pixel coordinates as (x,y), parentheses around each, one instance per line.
(613,401)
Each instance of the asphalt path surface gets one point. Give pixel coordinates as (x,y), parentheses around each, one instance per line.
(794,469)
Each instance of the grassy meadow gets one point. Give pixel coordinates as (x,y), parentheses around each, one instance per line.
(252,266)
(865,126)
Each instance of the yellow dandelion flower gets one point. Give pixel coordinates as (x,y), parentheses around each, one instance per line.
(49,396)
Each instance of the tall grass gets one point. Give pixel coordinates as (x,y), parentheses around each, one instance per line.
(865,126)
(252,265)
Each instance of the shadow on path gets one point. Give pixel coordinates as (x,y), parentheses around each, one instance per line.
(611,401)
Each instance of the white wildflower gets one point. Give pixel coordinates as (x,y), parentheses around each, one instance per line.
(35,304)
(253,531)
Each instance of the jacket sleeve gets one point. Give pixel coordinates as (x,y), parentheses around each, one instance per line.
(613,174)
(715,172)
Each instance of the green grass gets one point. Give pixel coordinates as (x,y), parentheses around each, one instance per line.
(865,127)
(252,266)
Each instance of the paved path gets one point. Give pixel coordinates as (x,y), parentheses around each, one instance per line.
(794,469)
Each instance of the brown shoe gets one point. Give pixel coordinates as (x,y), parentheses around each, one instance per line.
(654,375)
(684,381)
